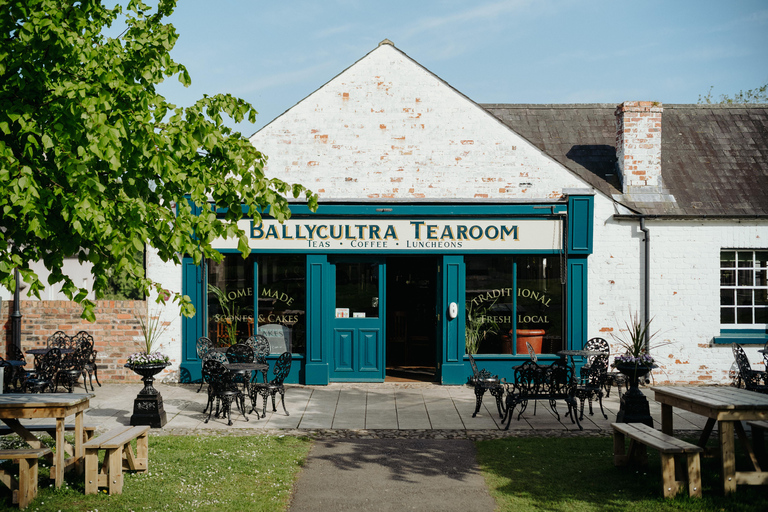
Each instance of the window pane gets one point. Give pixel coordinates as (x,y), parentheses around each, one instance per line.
(727,315)
(746,278)
(761,315)
(282,302)
(727,297)
(743,315)
(539,305)
(761,297)
(760,278)
(357,288)
(489,304)
(728,259)
(761,259)
(745,259)
(230,299)
(727,278)
(743,297)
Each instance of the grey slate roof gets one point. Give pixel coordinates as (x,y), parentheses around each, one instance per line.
(714,157)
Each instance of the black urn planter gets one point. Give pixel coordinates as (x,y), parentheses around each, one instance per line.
(634,407)
(148,405)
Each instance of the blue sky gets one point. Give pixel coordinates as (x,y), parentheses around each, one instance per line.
(273,54)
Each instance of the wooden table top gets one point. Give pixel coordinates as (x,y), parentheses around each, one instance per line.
(720,402)
(31,400)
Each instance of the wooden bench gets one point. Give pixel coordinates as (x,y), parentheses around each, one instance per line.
(642,435)
(758,440)
(118,456)
(50,429)
(25,488)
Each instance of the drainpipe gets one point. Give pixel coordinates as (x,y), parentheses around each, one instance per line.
(647,291)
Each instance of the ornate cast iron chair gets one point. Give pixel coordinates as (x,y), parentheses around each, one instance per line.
(276,385)
(17,372)
(72,366)
(592,383)
(59,339)
(534,382)
(85,342)
(261,350)
(612,378)
(44,377)
(222,390)
(204,348)
(240,353)
(753,380)
(483,381)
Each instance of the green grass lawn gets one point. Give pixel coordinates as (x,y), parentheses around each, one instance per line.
(578,474)
(216,473)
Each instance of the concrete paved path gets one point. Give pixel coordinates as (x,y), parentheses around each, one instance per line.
(392,475)
(401,407)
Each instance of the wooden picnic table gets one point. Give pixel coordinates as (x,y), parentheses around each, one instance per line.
(16,406)
(728,406)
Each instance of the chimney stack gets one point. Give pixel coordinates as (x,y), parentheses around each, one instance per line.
(638,146)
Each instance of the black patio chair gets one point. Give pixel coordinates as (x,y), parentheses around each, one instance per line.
(222,390)
(274,386)
(72,367)
(204,347)
(61,340)
(84,341)
(592,383)
(483,381)
(57,339)
(44,376)
(261,350)
(753,380)
(18,372)
(240,353)
(613,378)
(260,346)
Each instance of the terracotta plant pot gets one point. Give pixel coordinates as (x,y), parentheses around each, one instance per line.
(533,336)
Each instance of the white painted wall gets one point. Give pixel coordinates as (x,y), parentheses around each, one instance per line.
(171,276)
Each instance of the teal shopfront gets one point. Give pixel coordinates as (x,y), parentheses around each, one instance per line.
(364,292)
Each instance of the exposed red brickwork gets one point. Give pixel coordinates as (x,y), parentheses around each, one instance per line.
(114,332)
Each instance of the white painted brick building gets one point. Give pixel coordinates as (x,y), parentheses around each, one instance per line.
(388,138)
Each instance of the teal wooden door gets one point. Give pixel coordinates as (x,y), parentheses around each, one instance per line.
(358,326)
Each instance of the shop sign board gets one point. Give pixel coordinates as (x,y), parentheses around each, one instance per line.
(381,235)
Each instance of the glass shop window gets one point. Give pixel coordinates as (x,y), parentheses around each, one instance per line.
(230,299)
(271,302)
(357,289)
(282,315)
(743,288)
(511,301)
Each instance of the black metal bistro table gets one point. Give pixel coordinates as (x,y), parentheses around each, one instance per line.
(251,368)
(578,353)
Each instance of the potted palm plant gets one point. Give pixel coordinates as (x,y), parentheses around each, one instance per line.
(478,326)
(636,362)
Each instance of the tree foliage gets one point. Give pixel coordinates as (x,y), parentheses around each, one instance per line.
(756,95)
(94,163)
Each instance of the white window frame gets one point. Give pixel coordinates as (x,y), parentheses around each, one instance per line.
(757,283)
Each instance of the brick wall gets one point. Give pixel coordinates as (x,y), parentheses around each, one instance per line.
(115,332)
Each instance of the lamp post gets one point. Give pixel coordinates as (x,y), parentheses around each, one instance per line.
(16,315)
